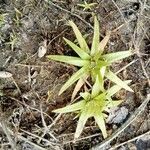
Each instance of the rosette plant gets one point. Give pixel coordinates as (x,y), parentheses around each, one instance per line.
(93,104)
(92,62)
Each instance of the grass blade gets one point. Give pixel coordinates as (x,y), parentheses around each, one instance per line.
(115,103)
(112,57)
(85,95)
(95,42)
(79,74)
(68,59)
(77,49)
(81,123)
(101,123)
(70,108)
(79,37)
(101,78)
(96,87)
(111,76)
(101,96)
(114,89)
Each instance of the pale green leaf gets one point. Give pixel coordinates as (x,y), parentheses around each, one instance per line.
(79,37)
(85,95)
(99,68)
(71,108)
(99,118)
(68,59)
(101,78)
(82,5)
(92,4)
(116,103)
(101,83)
(102,71)
(114,89)
(112,103)
(81,123)
(100,64)
(96,87)
(77,49)
(101,96)
(79,74)
(112,57)
(95,42)
(111,76)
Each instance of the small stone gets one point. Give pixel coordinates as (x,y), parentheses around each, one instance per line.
(117,115)
(42,49)
(5,74)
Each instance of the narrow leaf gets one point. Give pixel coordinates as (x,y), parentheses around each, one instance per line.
(114,89)
(71,108)
(111,103)
(102,71)
(101,82)
(112,57)
(77,49)
(79,74)
(101,78)
(101,96)
(116,102)
(68,59)
(82,5)
(111,76)
(104,42)
(101,123)
(81,123)
(94,49)
(85,95)
(79,37)
(96,87)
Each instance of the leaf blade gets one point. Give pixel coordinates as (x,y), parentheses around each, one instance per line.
(77,49)
(70,108)
(95,42)
(101,123)
(112,57)
(114,89)
(79,37)
(79,74)
(114,103)
(81,123)
(96,87)
(111,76)
(68,59)
(85,95)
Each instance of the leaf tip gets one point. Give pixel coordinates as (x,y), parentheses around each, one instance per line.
(60,92)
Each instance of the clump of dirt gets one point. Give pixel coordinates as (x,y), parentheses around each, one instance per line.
(27,99)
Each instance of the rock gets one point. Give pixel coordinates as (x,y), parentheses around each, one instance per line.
(5,74)
(42,49)
(117,115)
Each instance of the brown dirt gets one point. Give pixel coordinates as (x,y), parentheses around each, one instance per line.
(36,77)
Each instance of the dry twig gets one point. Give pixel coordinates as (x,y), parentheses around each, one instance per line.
(131,140)
(67,11)
(5,129)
